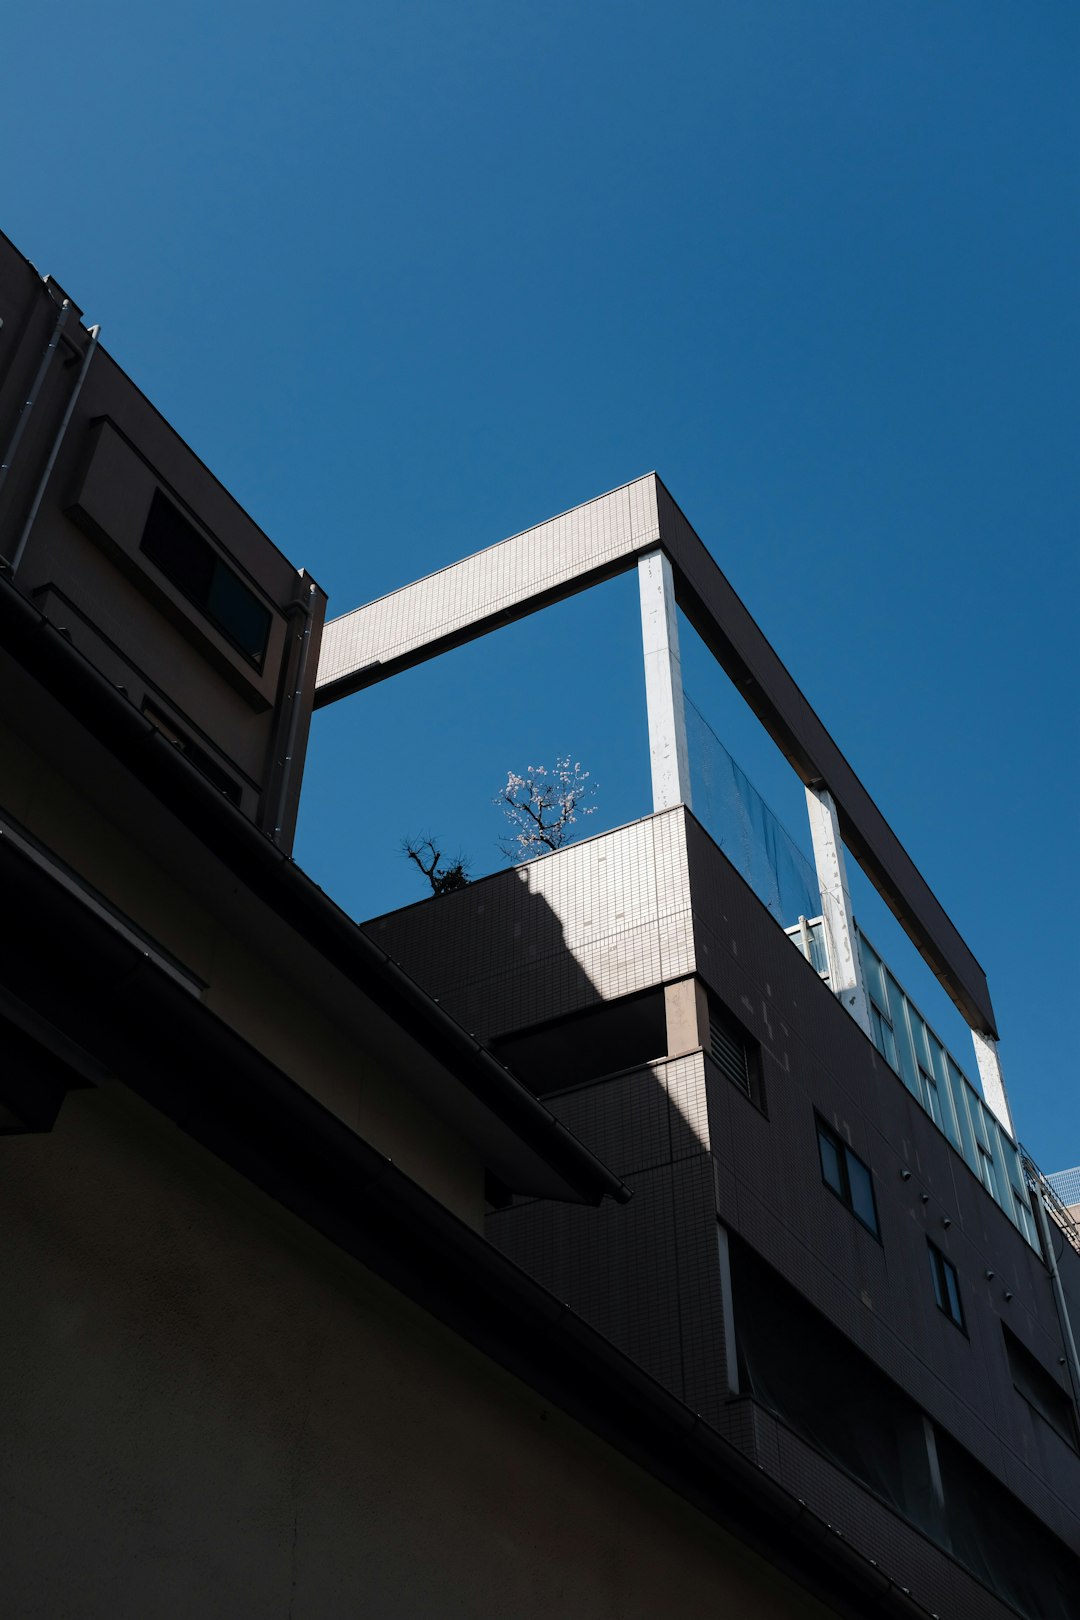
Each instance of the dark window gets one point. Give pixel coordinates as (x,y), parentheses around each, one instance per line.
(994,1536)
(194,567)
(736,1054)
(617,1035)
(845,1174)
(946,1286)
(1040,1388)
(198,756)
(796,1362)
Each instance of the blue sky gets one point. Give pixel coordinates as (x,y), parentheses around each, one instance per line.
(412,277)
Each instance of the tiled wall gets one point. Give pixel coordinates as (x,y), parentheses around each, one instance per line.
(580,543)
(645,1275)
(770,1190)
(600,919)
(648,904)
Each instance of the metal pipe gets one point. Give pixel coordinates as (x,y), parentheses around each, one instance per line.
(35,389)
(95,332)
(1059,1293)
(294,717)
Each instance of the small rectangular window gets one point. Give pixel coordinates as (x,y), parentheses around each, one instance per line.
(845,1174)
(619,1035)
(946,1287)
(735,1054)
(862,1191)
(190,563)
(832,1164)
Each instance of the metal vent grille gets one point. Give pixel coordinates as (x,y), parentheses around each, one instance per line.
(730,1055)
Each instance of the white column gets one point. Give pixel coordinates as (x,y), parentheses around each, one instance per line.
(992,1079)
(845,967)
(668,752)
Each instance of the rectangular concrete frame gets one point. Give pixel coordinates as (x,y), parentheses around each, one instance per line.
(592,543)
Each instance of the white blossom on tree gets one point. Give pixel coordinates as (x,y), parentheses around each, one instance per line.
(542,806)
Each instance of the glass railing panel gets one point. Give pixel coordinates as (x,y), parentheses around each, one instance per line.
(960,1091)
(809,935)
(819,954)
(932,1075)
(751,835)
(871,965)
(940,1063)
(904,1046)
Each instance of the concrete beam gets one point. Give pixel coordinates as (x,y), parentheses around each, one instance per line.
(992,1080)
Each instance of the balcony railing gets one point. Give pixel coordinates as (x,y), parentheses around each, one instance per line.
(1060,1194)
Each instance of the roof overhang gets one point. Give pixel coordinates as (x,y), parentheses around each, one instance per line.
(129,761)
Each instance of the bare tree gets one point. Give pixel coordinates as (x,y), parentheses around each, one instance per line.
(542,806)
(443,879)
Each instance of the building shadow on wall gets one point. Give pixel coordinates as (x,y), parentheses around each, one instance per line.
(496,957)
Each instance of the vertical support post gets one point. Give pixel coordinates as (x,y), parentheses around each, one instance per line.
(1046,1239)
(992,1079)
(668,752)
(731,1346)
(686,1011)
(933,1465)
(846,974)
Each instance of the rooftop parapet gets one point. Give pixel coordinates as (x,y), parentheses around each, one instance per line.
(639,526)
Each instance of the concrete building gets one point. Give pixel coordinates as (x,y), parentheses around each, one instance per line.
(1065,1186)
(836,1253)
(665,1289)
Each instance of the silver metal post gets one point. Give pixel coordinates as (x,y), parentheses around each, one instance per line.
(95,332)
(35,389)
(1043,1219)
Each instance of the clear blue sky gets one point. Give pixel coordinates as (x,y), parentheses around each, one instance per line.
(413,276)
